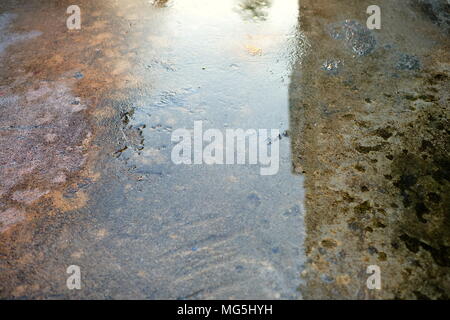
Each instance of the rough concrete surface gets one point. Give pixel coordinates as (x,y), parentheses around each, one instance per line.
(372,140)
(85,170)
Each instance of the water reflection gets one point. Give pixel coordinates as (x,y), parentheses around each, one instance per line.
(238,234)
(157,230)
(254,10)
(160,3)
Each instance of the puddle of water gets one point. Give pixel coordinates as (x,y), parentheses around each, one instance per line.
(157,230)
(237,234)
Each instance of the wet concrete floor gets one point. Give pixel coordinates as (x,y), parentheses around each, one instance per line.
(86,171)
(138,225)
(369,123)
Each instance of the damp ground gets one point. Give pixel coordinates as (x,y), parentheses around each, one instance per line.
(86,171)
(137,225)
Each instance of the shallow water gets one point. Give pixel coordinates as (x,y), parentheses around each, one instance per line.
(87,179)
(199,231)
(152,229)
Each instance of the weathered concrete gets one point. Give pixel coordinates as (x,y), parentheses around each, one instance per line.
(86,176)
(372,139)
(138,225)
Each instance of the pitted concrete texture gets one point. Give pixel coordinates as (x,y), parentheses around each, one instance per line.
(372,141)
